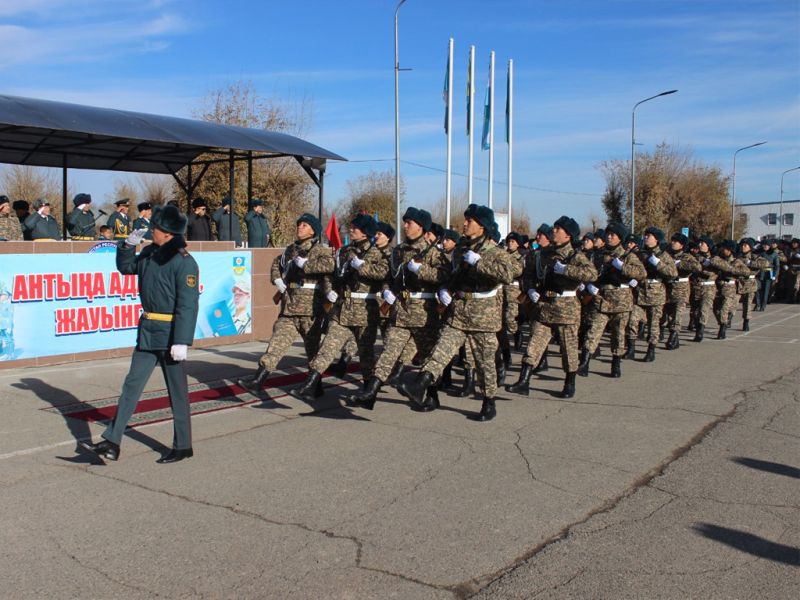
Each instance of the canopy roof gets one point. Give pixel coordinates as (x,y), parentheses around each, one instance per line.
(56,134)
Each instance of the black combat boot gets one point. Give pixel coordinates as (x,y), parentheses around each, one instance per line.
(651,353)
(253,384)
(698,334)
(746,325)
(569,386)
(730,320)
(616,370)
(339,368)
(446,380)
(523,385)
(394,376)
(722,333)
(462,356)
(431,400)
(469,384)
(310,388)
(691,325)
(415,390)
(506,353)
(660,334)
(642,333)
(500,367)
(672,342)
(630,353)
(583,367)
(488,411)
(366,397)
(518,338)
(542,366)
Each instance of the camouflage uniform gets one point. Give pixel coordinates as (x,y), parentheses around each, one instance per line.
(652,292)
(510,294)
(747,286)
(679,290)
(301,305)
(10,228)
(728,270)
(355,315)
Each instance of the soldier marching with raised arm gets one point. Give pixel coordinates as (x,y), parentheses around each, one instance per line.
(679,289)
(728,268)
(81,221)
(552,286)
(747,286)
(298,274)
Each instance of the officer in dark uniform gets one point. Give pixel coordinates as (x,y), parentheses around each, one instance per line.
(145,210)
(81,221)
(119,221)
(168,288)
(199,227)
(258,231)
(227,223)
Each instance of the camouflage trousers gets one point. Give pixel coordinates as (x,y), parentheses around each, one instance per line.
(674,312)
(409,350)
(338,338)
(395,345)
(597,324)
(747,304)
(725,303)
(702,302)
(482,344)
(284,333)
(637,315)
(510,310)
(540,338)
(651,315)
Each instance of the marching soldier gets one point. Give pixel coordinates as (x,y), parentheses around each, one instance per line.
(298,274)
(361,269)
(703,286)
(747,287)
(533,265)
(81,221)
(679,290)
(119,222)
(510,295)
(552,286)
(612,298)
(728,268)
(145,210)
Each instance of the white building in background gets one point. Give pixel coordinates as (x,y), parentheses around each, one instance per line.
(764,219)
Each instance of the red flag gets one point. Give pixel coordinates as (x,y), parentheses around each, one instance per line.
(332,233)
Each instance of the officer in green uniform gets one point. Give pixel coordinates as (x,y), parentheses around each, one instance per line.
(119,220)
(80,222)
(258,231)
(169,292)
(40,224)
(145,210)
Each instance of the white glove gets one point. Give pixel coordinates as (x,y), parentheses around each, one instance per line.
(559,267)
(654,260)
(279,283)
(414,266)
(332,297)
(748,262)
(300,261)
(135,237)
(471,257)
(617,263)
(356,263)
(633,283)
(533,295)
(389,296)
(706,262)
(178,352)
(581,287)
(677,263)
(444,297)
(785,268)
(593,289)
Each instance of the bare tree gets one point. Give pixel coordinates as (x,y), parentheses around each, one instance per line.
(22,182)
(155,189)
(372,194)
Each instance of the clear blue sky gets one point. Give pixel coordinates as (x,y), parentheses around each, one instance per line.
(579,69)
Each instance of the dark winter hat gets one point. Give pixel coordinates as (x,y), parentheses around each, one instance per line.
(198,202)
(513,235)
(437,230)
(311,220)
(588,236)
(226,201)
(569,225)
(143,206)
(656,233)
(170,219)
(680,238)
(80,199)
(708,241)
(365,223)
(451,234)
(123,202)
(728,245)
(256,202)
(494,233)
(386,229)
(482,214)
(632,238)
(749,241)
(545,230)
(524,239)
(20,205)
(39,203)
(419,216)
(617,228)
(4,200)
(600,234)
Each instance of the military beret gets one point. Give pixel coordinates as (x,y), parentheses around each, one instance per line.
(4,200)
(170,219)
(656,233)
(311,220)
(569,225)
(20,205)
(123,202)
(419,216)
(198,202)
(81,199)
(386,229)
(545,230)
(451,234)
(680,238)
(618,228)
(143,206)
(256,202)
(437,230)
(365,223)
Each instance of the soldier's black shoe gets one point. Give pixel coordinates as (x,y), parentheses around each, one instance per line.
(730,320)
(616,363)
(569,386)
(500,367)
(722,333)
(339,368)
(103,449)
(505,351)
(661,334)
(651,353)
(446,380)
(746,325)
(518,339)
(542,366)
(175,455)
(583,367)
(673,340)
(488,411)
(415,390)
(431,401)
(253,384)
(319,392)
(596,352)
(310,388)
(366,397)
(641,333)
(523,385)
(698,334)
(462,356)
(630,353)
(691,325)
(394,376)
(469,384)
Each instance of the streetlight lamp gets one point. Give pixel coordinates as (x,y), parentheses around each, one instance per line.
(633,152)
(397,121)
(780,222)
(733,194)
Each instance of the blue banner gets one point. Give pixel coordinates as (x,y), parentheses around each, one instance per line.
(54,304)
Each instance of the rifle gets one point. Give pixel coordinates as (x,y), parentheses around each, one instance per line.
(286,267)
(400,270)
(343,271)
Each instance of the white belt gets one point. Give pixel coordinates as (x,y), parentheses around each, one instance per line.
(653,281)
(707,282)
(514,283)
(751,276)
(422,295)
(309,286)
(361,295)
(568,294)
(477,295)
(727,282)
(682,279)
(623,286)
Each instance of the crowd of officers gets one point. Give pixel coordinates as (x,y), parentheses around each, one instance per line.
(440,297)
(84,225)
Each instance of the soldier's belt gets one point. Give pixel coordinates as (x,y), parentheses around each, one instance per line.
(707,282)
(153,316)
(682,280)
(514,283)
(726,282)
(653,281)
(82,238)
(360,295)
(421,295)
(303,286)
(751,276)
(565,294)
(611,286)
(477,295)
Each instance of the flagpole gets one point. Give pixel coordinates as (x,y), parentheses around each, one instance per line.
(470,120)
(449,128)
(510,131)
(491,125)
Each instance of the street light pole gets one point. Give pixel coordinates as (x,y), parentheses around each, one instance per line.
(397,121)
(633,153)
(733,192)
(780,222)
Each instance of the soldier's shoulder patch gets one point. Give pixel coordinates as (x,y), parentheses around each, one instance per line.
(191,281)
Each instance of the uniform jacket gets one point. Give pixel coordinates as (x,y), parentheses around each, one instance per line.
(358,312)
(81,224)
(168,284)
(749,284)
(554,308)
(199,228)
(687,264)
(142,223)
(41,228)
(615,295)
(653,290)
(728,270)
(416,312)
(299,301)
(222,221)
(258,230)
(119,224)
(10,228)
(511,291)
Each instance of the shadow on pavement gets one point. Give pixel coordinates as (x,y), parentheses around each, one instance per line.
(749,543)
(769,467)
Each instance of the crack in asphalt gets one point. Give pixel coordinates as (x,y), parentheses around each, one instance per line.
(533,475)
(725,502)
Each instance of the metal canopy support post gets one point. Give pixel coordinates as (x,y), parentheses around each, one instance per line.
(321,188)
(249,178)
(231,184)
(189,187)
(320,164)
(64,197)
